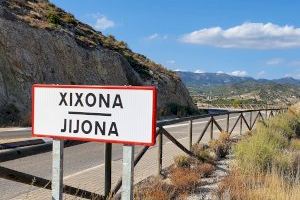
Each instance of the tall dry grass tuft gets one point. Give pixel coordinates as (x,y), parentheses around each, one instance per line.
(184,179)
(259,186)
(155,190)
(268,162)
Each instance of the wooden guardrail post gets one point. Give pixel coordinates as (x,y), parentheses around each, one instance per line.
(107,170)
(160,151)
(250,120)
(241,124)
(212,128)
(227,126)
(190,134)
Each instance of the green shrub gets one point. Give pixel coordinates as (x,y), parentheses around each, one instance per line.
(68,18)
(256,152)
(182,161)
(286,123)
(9,115)
(53,17)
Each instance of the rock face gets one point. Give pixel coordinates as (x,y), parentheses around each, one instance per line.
(31,55)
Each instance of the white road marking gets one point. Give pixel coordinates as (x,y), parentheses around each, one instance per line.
(81,172)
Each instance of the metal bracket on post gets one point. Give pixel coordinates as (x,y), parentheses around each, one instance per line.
(107,172)
(57,169)
(128,172)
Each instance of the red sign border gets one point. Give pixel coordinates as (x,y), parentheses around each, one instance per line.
(112,87)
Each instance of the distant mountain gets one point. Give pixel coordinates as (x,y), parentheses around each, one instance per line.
(214,79)
(288,80)
(210,79)
(221,85)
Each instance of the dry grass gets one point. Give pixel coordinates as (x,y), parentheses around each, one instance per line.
(205,169)
(184,179)
(259,187)
(154,190)
(221,146)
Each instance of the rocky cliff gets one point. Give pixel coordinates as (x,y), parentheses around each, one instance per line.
(40,43)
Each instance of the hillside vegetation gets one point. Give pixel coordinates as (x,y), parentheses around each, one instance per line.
(45,15)
(267,161)
(220,87)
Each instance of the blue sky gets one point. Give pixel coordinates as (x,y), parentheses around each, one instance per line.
(259,38)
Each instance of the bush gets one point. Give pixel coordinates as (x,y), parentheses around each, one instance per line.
(53,17)
(205,169)
(202,153)
(184,179)
(265,148)
(285,123)
(154,190)
(9,115)
(295,144)
(182,161)
(221,146)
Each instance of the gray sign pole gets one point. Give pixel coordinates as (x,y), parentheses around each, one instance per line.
(57,169)
(128,172)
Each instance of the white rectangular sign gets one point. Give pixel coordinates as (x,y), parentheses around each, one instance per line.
(115,114)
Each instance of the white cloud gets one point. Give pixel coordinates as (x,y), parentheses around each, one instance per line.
(220,72)
(247,35)
(157,36)
(275,61)
(199,71)
(239,73)
(103,23)
(153,36)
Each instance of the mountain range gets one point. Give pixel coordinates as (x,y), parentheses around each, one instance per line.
(214,79)
(225,86)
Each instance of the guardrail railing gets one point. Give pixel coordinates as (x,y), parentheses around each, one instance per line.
(255,115)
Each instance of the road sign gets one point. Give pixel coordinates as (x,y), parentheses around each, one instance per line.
(114,114)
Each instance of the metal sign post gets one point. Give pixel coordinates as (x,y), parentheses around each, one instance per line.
(128,172)
(57,169)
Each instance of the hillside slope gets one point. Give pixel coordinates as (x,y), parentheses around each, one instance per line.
(40,43)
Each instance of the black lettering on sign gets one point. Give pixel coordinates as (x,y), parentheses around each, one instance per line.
(65,126)
(71,99)
(117,101)
(98,127)
(78,101)
(77,127)
(89,127)
(63,99)
(113,129)
(92,97)
(103,100)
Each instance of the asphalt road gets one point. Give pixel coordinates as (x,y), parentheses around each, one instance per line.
(88,155)
(14,133)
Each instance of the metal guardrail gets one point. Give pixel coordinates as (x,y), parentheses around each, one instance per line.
(161,131)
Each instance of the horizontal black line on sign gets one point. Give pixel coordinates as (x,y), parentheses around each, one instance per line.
(89,113)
